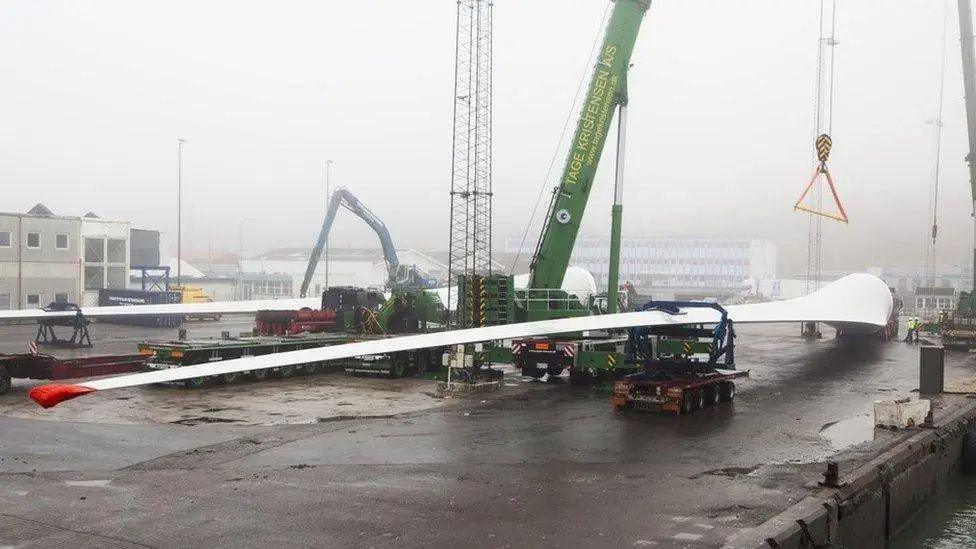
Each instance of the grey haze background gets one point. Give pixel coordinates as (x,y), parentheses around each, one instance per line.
(95,94)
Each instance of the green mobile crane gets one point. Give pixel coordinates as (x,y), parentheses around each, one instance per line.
(607,94)
(959,326)
(543,299)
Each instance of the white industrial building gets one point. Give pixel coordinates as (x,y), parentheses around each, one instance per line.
(667,267)
(46,258)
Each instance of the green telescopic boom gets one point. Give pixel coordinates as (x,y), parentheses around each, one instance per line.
(969,85)
(606,92)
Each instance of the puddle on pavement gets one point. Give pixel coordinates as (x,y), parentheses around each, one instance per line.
(849,432)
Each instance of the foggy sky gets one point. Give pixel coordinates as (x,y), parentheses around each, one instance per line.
(96,94)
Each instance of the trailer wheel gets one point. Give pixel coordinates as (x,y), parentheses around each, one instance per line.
(726,391)
(422,360)
(194,382)
(398,367)
(712,396)
(687,402)
(699,399)
(4,381)
(230,377)
(258,375)
(286,371)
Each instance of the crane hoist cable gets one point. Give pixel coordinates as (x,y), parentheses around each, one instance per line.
(583,79)
(934,204)
(823,143)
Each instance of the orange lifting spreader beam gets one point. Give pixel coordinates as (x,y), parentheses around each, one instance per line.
(823,152)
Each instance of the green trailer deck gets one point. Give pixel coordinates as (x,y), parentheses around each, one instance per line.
(187,352)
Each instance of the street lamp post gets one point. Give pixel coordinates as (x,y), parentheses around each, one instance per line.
(328,197)
(240,256)
(179,213)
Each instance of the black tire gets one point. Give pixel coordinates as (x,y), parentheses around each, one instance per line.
(583,376)
(398,368)
(423,361)
(4,382)
(258,375)
(687,402)
(712,396)
(726,391)
(232,377)
(287,371)
(216,318)
(699,399)
(194,382)
(554,370)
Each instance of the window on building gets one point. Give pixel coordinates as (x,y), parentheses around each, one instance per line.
(61,298)
(33,240)
(116,250)
(4,239)
(4,302)
(94,277)
(33,300)
(94,251)
(61,241)
(116,278)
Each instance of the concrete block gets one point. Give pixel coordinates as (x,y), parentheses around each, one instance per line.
(901,413)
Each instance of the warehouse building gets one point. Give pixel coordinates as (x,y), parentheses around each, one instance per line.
(46,258)
(676,267)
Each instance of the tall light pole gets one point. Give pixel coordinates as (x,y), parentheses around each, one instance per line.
(328,198)
(240,257)
(179,213)
(240,242)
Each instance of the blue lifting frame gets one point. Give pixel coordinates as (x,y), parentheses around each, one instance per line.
(722,355)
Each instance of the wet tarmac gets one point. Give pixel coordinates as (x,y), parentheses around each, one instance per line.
(538,464)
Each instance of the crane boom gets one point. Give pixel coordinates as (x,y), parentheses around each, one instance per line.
(969,85)
(343,197)
(607,91)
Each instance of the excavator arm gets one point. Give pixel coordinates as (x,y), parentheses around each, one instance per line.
(342,197)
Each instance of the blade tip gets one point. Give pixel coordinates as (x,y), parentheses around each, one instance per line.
(48,396)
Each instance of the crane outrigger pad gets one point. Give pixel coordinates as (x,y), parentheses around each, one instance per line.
(857,303)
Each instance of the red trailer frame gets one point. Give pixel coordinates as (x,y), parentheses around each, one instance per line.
(41,366)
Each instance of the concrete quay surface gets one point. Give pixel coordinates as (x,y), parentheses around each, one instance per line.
(297,463)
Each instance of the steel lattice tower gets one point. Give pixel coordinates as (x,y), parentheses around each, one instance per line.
(823,122)
(470,242)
